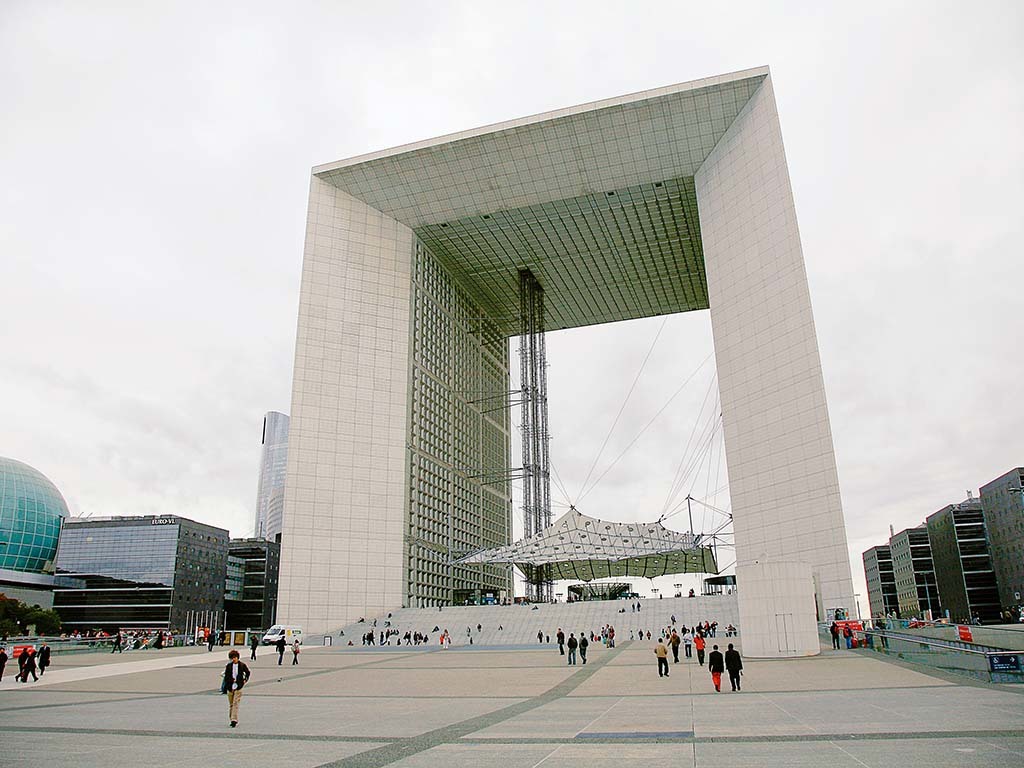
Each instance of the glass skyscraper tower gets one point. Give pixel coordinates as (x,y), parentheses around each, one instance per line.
(273,462)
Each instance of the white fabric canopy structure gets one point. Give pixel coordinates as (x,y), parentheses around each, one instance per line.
(579,547)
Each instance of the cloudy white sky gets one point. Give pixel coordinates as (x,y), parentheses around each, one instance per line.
(154,165)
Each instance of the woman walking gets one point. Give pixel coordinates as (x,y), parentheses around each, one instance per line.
(295,653)
(236,675)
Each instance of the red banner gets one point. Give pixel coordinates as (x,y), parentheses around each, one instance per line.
(965,633)
(856,626)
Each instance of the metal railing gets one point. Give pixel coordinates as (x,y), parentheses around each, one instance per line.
(981,662)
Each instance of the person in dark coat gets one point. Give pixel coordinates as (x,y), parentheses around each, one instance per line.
(3,661)
(280,645)
(211,639)
(43,658)
(254,643)
(717,666)
(834,631)
(27,665)
(584,643)
(118,641)
(236,675)
(560,638)
(573,645)
(734,664)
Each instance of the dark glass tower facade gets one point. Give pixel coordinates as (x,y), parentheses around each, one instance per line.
(963,568)
(142,572)
(881,579)
(1003,503)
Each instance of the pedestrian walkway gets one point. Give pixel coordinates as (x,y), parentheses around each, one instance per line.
(344,707)
(94,668)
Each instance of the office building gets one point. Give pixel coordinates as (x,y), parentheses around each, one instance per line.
(878,571)
(138,572)
(963,569)
(273,464)
(914,573)
(32,511)
(421,262)
(250,589)
(1002,502)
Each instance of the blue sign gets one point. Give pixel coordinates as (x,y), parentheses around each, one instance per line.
(1004,663)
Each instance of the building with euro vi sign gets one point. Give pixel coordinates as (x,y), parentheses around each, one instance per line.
(147,572)
(422,262)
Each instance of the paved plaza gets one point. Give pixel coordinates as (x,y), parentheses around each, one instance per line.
(503,706)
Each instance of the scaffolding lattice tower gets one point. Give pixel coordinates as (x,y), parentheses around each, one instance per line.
(534,385)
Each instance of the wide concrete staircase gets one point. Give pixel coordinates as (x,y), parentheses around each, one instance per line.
(519,624)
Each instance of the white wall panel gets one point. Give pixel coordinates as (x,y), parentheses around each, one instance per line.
(346,485)
(782,470)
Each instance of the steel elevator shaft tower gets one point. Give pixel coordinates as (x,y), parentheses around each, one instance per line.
(534,385)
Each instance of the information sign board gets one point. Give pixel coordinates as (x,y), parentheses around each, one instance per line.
(1008,662)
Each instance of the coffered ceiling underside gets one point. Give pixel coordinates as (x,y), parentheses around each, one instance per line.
(597,201)
(600,258)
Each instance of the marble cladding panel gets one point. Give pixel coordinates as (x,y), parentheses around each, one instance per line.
(782,470)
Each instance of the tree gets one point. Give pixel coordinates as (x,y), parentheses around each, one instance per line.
(16,617)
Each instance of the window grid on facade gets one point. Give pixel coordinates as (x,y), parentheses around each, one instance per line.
(458,420)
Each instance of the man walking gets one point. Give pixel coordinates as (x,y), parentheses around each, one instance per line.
(236,675)
(573,645)
(834,631)
(717,666)
(211,638)
(280,645)
(43,658)
(117,643)
(27,664)
(560,638)
(674,642)
(254,643)
(688,642)
(662,653)
(584,643)
(698,643)
(4,657)
(296,650)
(540,636)
(734,664)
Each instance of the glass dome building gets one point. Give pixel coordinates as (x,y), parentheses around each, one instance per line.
(31,512)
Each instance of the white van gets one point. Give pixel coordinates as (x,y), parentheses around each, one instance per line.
(276,632)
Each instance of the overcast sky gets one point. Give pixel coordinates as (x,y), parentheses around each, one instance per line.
(154,168)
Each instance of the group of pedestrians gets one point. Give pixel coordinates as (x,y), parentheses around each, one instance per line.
(31,661)
(580,645)
(717,662)
(140,641)
(835,630)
